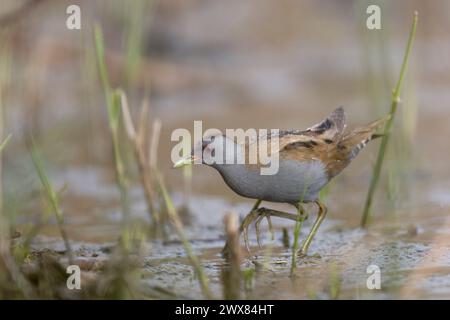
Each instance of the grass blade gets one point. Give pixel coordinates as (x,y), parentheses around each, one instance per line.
(113,103)
(52,197)
(103,71)
(382,150)
(178,226)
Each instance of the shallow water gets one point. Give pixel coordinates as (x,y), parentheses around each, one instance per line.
(412,254)
(277,66)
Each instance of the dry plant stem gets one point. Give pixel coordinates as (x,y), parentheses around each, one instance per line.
(156,134)
(178,226)
(153,159)
(388,126)
(145,173)
(231,272)
(138,139)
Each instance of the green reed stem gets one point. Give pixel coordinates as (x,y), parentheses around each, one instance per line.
(387,129)
(178,226)
(113,103)
(298,227)
(52,197)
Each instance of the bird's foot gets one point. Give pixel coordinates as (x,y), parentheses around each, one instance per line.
(256,216)
(301,212)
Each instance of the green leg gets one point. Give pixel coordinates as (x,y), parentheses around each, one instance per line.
(257,215)
(301,212)
(225,249)
(320,216)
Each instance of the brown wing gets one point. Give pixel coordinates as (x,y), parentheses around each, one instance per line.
(328,131)
(316,143)
(326,142)
(305,148)
(290,146)
(332,128)
(334,154)
(310,148)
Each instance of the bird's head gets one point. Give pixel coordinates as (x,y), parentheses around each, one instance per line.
(211,151)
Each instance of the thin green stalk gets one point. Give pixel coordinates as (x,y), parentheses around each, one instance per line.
(140,12)
(335,281)
(298,227)
(177,224)
(103,71)
(388,126)
(52,197)
(119,164)
(113,103)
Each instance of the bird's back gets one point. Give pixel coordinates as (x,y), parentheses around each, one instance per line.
(308,159)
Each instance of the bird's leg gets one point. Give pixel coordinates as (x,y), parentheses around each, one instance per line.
(320,216)
(258,222)
(257,215)
(241,228)
(301,212)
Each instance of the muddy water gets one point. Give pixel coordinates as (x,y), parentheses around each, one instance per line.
(411,250)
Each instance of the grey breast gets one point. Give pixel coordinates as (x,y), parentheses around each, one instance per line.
(294,182)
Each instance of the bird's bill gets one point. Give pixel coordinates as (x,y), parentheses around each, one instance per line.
(186,161)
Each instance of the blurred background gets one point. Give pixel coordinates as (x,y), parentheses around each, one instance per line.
(232,64)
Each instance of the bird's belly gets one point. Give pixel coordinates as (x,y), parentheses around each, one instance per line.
(294,182)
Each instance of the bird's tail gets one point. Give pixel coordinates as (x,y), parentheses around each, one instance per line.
(354,141)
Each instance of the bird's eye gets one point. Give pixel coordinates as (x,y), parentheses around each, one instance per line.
(213,152)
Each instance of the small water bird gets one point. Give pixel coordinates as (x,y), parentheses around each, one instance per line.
(308,160)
